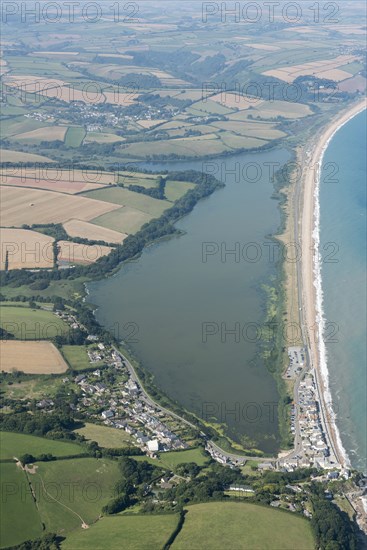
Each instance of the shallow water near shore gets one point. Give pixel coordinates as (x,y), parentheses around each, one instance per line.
(343,225)
(179,309)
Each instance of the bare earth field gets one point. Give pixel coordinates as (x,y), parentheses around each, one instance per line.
(26,249)
(29,206)
(79,228)
(31,357)
(76,253)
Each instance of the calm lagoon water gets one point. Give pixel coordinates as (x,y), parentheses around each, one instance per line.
(171,295)
(343,222)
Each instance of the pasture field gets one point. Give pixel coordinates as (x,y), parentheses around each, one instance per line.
(19,519)
(30,206)
(125,220)
(72,491)
(270,110)
(244,526)
(241,142)
(76,253)
(135,532)
(31,324)
(250,129)
(172,459)
(124,197)
(102,137)
(136,178)
(149,123)
(86,230)
(207,106)
(237,101)
(105,436)
(35,388)
(77,357)
(176,189)
(31,357)
(62,186)
(74,136)
(66,289)
(184,147)
(47,133)
(16,444)
(8,155)
(19,242)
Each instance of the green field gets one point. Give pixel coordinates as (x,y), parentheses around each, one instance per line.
(31,324)
(36,388)
(105,436)
(79,487)
(125,220)
(74,136)
(77,357)
(136,532)
(8,155)
(171,459)
(183,147)
(240,525)
(176,189)
(124,197)
(16,444)
(19,519)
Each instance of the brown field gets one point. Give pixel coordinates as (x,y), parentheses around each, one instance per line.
(236,101)
(7,155)
(75,253)
(26,249)
(47,133)
(86,230)
(28,206)
(327,68)
(33,84)
(57,174)
(357,83)
(69,187)
(31,357)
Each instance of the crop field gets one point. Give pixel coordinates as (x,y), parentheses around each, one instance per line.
(76,253)
(19,519)
(61,186)
(8,155)
(327,68)
(16,444)
(137,532)
(149,123)
(31,324)
(47,133)
(31,206)
(59,175)
(86,230)
(72,491)
(105,436)
(124,197)
(244,526)
(31,357)
(125,220)
(16,245)
(357,83)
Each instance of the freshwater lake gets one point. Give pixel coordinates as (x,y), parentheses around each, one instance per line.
(188,308)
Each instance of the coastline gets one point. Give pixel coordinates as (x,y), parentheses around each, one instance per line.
(311,279)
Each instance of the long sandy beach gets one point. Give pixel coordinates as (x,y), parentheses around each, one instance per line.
(311,290)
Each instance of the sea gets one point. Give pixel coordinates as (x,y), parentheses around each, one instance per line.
(342,251)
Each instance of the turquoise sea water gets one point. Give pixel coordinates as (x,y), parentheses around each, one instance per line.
(343,248)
